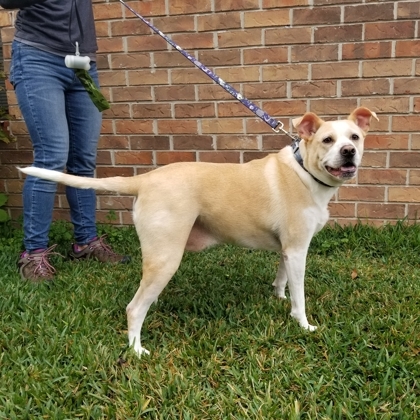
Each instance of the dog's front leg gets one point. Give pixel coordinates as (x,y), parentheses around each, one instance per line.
(295,262)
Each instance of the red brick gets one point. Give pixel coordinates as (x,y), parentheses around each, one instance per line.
(406,123)
(404,160)
(131,93)
(342,209)
(239,74)
(237,142)
(128,27)
(386,68)
(275,142)
(365,87)
(155,110)
(117,111)
(188,76)
(392,105)
(317,16)
(195,110)
(374,159)
(364,12)
(133,158)
(239,38)
(164,158)
(115,203)
(389,30)
(194,41)
(267,4)
(361,193)
(146,77)
(222,126)
(147,9)
(382,176)
(266,18)
(219,157)
(387,141)
(314,53)
(113,142)
(333,106)
(146,43)
(404,194)
(380,211)
(367,50)
(266,55)
(129,61)
(177,126)
(105,172)
(233,109)
(174,93)
(149,142)
(228,5)
(414,178)
(339,33)
(407,48)
(171,24)
(288,36)
(214,92)
(281,72)
(133,126)
(314,89)
(185,7)
(343,70)
(408,9)
(219,21)
(219,58)
(193,142)
(248,156)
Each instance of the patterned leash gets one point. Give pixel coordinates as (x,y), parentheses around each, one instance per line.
(273,123)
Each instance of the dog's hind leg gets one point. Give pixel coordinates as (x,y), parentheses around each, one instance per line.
(157,271)
(280,281)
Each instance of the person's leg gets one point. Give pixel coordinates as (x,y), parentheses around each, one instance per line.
(39,83)
(84,122)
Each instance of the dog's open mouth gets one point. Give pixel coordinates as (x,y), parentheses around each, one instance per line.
(348,170)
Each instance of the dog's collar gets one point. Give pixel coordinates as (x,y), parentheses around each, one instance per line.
(298,157)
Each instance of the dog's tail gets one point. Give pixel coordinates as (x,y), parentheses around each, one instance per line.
(123,185)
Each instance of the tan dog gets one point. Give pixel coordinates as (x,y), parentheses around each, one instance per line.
(274,203)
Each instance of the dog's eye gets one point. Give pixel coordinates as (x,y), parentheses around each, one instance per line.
(327,140)
(355,137)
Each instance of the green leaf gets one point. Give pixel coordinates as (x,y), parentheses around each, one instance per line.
(3,199)
(3,216)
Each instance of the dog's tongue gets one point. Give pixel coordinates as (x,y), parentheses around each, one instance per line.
(343,170)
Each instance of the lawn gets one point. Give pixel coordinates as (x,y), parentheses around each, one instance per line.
(222,346)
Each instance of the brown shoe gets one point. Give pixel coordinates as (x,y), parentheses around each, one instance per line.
(100,251)
(35,266)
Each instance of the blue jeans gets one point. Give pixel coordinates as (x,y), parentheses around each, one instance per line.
(64,126)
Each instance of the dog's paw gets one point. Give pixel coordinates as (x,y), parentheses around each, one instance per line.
(311,327)
(279,292)
(141,351)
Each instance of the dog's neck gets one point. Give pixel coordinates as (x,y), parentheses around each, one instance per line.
(299,159)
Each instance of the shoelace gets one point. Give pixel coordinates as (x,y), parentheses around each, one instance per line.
(43,266)
(102,246)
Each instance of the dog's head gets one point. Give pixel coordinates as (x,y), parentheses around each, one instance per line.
(332,150)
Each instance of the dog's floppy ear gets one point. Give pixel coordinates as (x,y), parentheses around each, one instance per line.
(362,116)
(307,125)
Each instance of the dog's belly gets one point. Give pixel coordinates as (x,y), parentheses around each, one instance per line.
(201,238)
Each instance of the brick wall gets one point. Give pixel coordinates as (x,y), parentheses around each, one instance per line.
(289,57)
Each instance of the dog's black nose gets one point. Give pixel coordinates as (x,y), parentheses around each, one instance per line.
(348,151)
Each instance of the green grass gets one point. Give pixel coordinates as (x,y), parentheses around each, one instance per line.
(222,347)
